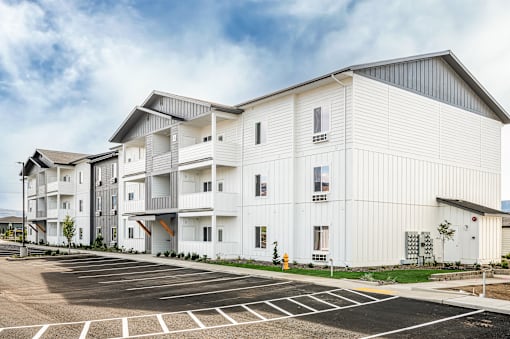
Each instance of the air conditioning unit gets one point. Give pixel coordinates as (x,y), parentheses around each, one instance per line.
(98,183)
(319,197)
(113,212)
(98,213)
(322,137)
(113,180)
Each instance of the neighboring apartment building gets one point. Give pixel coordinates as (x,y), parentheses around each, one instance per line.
(104,202)
(359,166)
(57,183)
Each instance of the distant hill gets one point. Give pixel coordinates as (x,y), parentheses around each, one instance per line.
(8,213)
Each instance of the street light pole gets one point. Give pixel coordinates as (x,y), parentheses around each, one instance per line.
(23,250)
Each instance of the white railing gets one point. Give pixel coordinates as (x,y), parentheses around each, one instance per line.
(31,215)
(162,161)
(134,206)
(63,187)
(41,190)
(59,213)
(134,167)
(226,153)
(31,191)
(226,202)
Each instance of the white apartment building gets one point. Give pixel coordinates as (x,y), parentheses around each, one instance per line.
(58,184)
(359,166)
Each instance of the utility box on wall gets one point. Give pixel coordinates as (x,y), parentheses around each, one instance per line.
(419,248)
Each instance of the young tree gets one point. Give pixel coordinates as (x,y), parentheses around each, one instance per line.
(445,233)
(68,230)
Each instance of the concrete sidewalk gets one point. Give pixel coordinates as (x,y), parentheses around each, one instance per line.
(428,291)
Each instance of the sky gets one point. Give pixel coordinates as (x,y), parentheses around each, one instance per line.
(71,71)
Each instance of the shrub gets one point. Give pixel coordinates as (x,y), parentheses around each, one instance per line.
(194,256)
(173,254)
(158,254)
(47,252)
(188,256)
(167,253)
(276,256)
(504,264)
(310,265)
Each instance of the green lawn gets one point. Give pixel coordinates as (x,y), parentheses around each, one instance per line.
(401,276)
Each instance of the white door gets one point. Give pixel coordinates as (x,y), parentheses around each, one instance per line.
(452,248)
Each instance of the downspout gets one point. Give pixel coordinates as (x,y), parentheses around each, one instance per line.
(345,166)
(242,186)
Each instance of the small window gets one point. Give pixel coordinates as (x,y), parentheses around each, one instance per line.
(260,185)
(220,137)
(220,234)
(114,202)
(220,186)
(98,204)
(131,232)
(207,233)
(80,233)
(260,133)
(66,178)
(321,179)
(207,186)
(260,236)
(321,238)
(114,233)
(114,170)
(80,177)
(207,138)
(66,205)
(98,178)
(80,205)
(131,196)
(320,119)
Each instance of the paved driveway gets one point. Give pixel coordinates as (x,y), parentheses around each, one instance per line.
(105,297)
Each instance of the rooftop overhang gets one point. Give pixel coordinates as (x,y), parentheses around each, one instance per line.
(472,207)
(204,119)
(150,216)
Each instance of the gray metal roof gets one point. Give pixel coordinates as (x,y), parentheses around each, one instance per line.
(472,207)
(447,56)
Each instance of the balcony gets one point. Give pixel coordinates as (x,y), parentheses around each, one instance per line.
(134,167)
(31,191)
(227,154)
(61,187)
(31,215)
(41,190)
(133,206)
(162,162)
(226,203)
(40,214)
(59,214)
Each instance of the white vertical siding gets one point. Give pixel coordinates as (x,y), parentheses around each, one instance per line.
(505,241)
(490,240)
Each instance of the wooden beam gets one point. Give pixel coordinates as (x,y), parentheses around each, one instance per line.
(32,227)
(146,230)
(40,227)
(165,226)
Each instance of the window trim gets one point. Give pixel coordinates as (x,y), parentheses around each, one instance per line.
(207,186)
(261,237)
(131,232)
(114,206)
(320,230)
(260,186)
(206,233)
(321,182)
(260,132)
(99,203)
(325,109)
(131,194)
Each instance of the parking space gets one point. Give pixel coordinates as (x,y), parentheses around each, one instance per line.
(106,297)
(10,250)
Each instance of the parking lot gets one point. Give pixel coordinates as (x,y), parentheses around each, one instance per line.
(106,297)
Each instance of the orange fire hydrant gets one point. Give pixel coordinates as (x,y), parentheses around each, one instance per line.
(285,261)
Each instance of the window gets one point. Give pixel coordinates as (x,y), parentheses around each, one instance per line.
(80,233)
(207,186)
(321,238)
(66,178)
(260,236)
(321,179)
(114,202)
(80,205)
(80,177)
(98,204)
(260,185)
(131,196)
(66,205)
(320,120)
(260,133)
(114,233)
(114,170)
(131,233)
(207,232)
(98,175)
(220,234)
(207,138)
(98,231)
(220,186)
(220,137)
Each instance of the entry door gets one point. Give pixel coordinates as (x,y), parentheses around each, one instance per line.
(452,248)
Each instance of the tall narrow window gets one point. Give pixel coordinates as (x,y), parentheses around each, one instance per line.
(114,202)
(114,233)
(260,133)
(321,238)
(80,205)
(80,233)
(131,196)
(260,236)
(131,232)
(320,119)
(114,170)
(98,204)
(321,179)
(220,186)
(220,234)
(80,177)
(207,233)
(207,186)
(260,185)
(98,174)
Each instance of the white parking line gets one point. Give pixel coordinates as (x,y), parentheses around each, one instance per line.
(362,294)
(344,298)
(89,261)
(253,312)
(128,273)
(227,290)
(302,305)
(279,308)
(125,327)
(195,319)
(162,323)
(152,278)
(323,301)
(101,264)
(66,261)
(85,330)
(41,332)
(186,283)
(424,324)
(113,269)
(226,316)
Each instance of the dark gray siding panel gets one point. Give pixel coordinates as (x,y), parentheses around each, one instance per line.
(161,204)
(432,78)
(180,108)
(146,124)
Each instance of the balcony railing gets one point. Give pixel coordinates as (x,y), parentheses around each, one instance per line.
(226,153)
(131,206)
(41,214)
(134,167)
(62,187)
(59,213)
(162,162)
(41,190)
(225,202)
(31,215)
(31,191)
